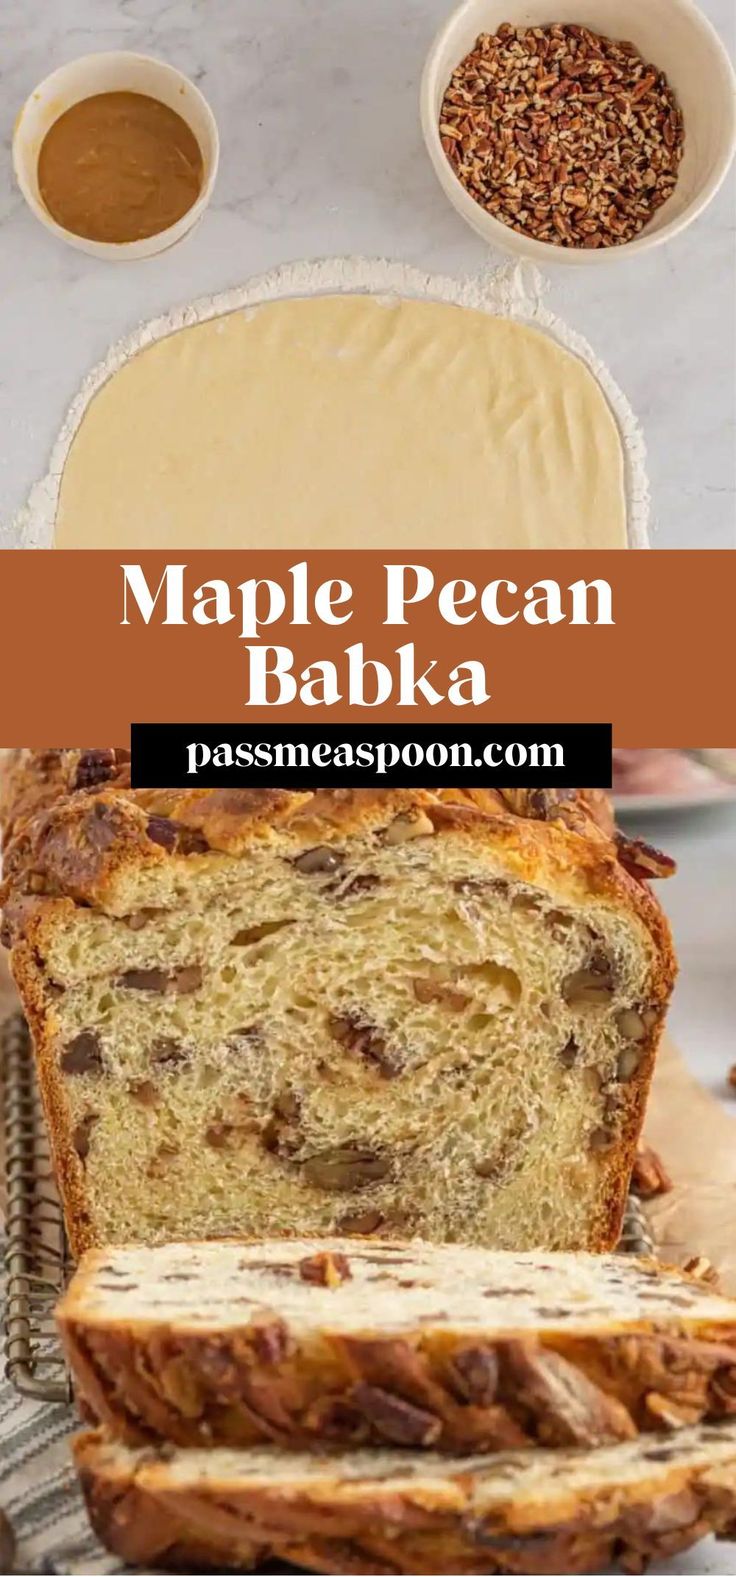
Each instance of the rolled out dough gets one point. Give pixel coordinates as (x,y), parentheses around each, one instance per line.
(347,421)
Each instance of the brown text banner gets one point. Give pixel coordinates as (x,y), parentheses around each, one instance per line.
(91,641)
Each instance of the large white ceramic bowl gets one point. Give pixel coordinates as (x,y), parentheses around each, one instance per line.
(674,36)
(115,71)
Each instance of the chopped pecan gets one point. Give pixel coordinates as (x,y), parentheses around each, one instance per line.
(537,804)
(335,1418)
(731,1079)
(568,1409)
(280,1135)
(95,767)
(102,826)
(400,1369)
(145,1092)
(602,1137)
(141,917)
(345,1167)
(360,1223)
(427,990)
(569,1053)
(627,1063)
(181,1387)
(526,903)
(642,860)
(279,1139)
(191,841)
(288,1105)
(82,1132)
(145,980)
(492,1167)
(83,1054)
(230,1372)
(363,882)
(252,1034)
(480,886)
(318,861)
(702,1269)
(179,983)
(167,1052)
(270,1339)
(256,933)
(649,1176)
(592,985)
(159,1163)
(404,828)
(362,1039)
(219,1135)
(692,1373)
(173,836)
(395,1419)
(219,1369)
(476,1371)
(222,1134)
(185,980)
(325,1269)
(631,1024)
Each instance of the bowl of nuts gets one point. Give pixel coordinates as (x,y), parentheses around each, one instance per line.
(605,131)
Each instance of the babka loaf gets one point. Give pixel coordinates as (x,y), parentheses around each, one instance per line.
(411,1344)
(412,1512)
(363,1011)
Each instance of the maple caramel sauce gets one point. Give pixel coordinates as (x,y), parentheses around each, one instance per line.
(119,167)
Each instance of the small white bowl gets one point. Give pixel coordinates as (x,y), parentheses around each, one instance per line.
(673,35)
(115,71)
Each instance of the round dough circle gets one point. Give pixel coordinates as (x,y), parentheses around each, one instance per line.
(347,421)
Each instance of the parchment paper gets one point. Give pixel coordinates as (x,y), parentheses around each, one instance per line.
(696,1138)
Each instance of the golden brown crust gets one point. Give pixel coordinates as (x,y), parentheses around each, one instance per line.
(431,1386)
(69,845)
(70,821)
(63,839)
(142,1513)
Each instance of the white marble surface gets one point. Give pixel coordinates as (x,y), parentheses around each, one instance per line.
(322,154)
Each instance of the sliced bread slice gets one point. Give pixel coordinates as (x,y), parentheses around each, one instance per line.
(413,1344)
(411,1512)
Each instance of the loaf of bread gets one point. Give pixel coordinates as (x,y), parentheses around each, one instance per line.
(256,1011)
(411,1344)
(413,1512)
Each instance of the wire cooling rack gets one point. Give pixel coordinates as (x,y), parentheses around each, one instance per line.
(38,1261)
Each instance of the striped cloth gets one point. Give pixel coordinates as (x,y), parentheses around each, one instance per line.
(38,1489)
